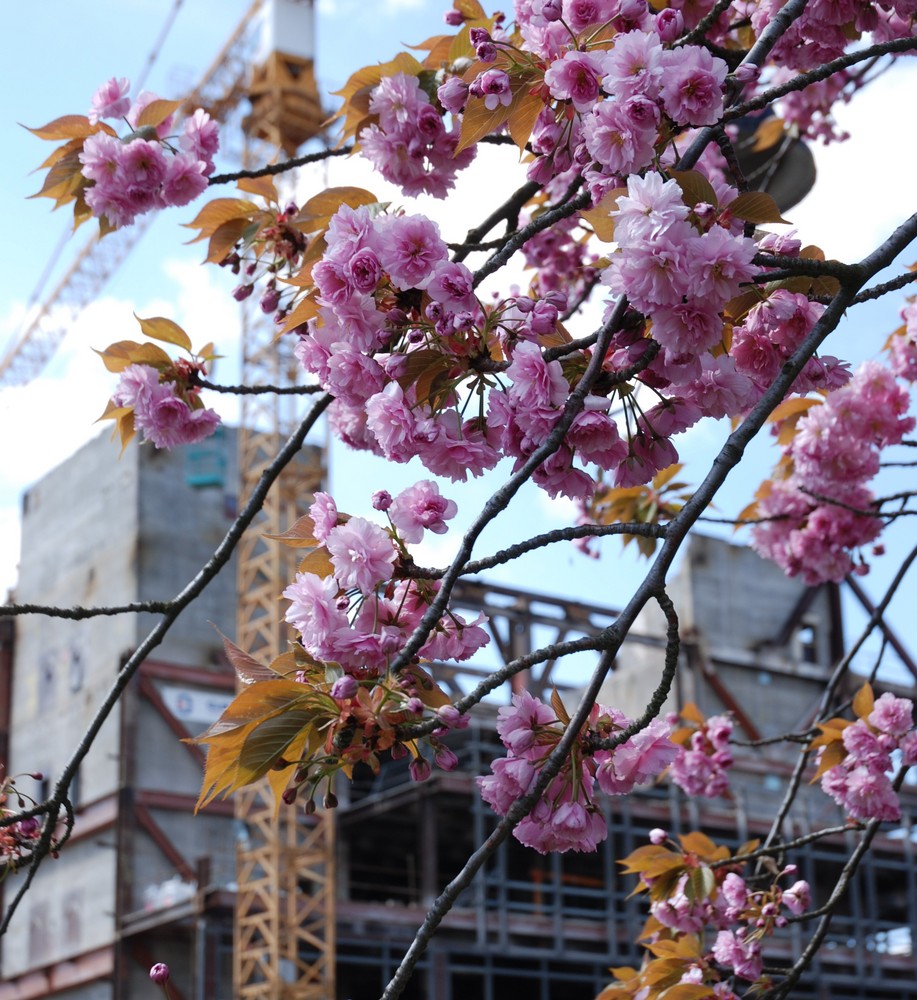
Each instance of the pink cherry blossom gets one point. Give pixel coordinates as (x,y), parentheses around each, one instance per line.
(421,507)
(362,554)
(110,100)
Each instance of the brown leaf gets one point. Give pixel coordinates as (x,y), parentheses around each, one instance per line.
(306,309)
(560,710)
(695,187)
(755,206)
(523,114)
(698,843)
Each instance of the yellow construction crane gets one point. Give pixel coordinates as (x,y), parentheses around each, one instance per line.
(285,920)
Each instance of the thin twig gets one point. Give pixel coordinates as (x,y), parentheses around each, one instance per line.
(79,613)
(280,168)
(255,390)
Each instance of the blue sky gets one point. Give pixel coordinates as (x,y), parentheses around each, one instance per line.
(58,53)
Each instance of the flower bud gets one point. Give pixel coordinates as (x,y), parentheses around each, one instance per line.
(452,718)
(658,835)
(344,687)
(669,24)
(420,769)
(446,759)
(382,500)
(160,973)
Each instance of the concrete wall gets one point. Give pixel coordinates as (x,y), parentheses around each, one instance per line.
(100,531)
(79,547)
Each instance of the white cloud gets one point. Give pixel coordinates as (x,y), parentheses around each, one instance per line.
(864,187)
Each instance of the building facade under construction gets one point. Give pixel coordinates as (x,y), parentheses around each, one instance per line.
(143,880)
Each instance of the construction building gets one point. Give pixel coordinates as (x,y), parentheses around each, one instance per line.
(143,880)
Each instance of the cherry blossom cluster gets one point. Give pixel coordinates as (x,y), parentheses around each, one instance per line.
(359,614)
(167,410)
(701,765)
(902,345)
(147,168)
(360,719)
(834,453)
(695,893)
(567,816)
(17,839)
(825,28)
(408,143)
(860,783)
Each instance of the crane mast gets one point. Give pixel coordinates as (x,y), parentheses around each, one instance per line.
(283,935)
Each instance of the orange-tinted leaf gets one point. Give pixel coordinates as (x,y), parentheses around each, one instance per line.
(317,562)
(599,217)
(429,692)
(117,357)
(264,187)
(224,239)
(698,843)
(792,408)
(218,211)
(832,755)
(66,127)
(691,713)
(156,112)
(268,741)
(63,180)
(747,513)
(522,116)
(687,991)
(666,475)
(160,328)
(737,308)
(478,121)
(864,702)
(471,10)
(300,535)
(319,209)
(306,309)
(768,134)
(560,710)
